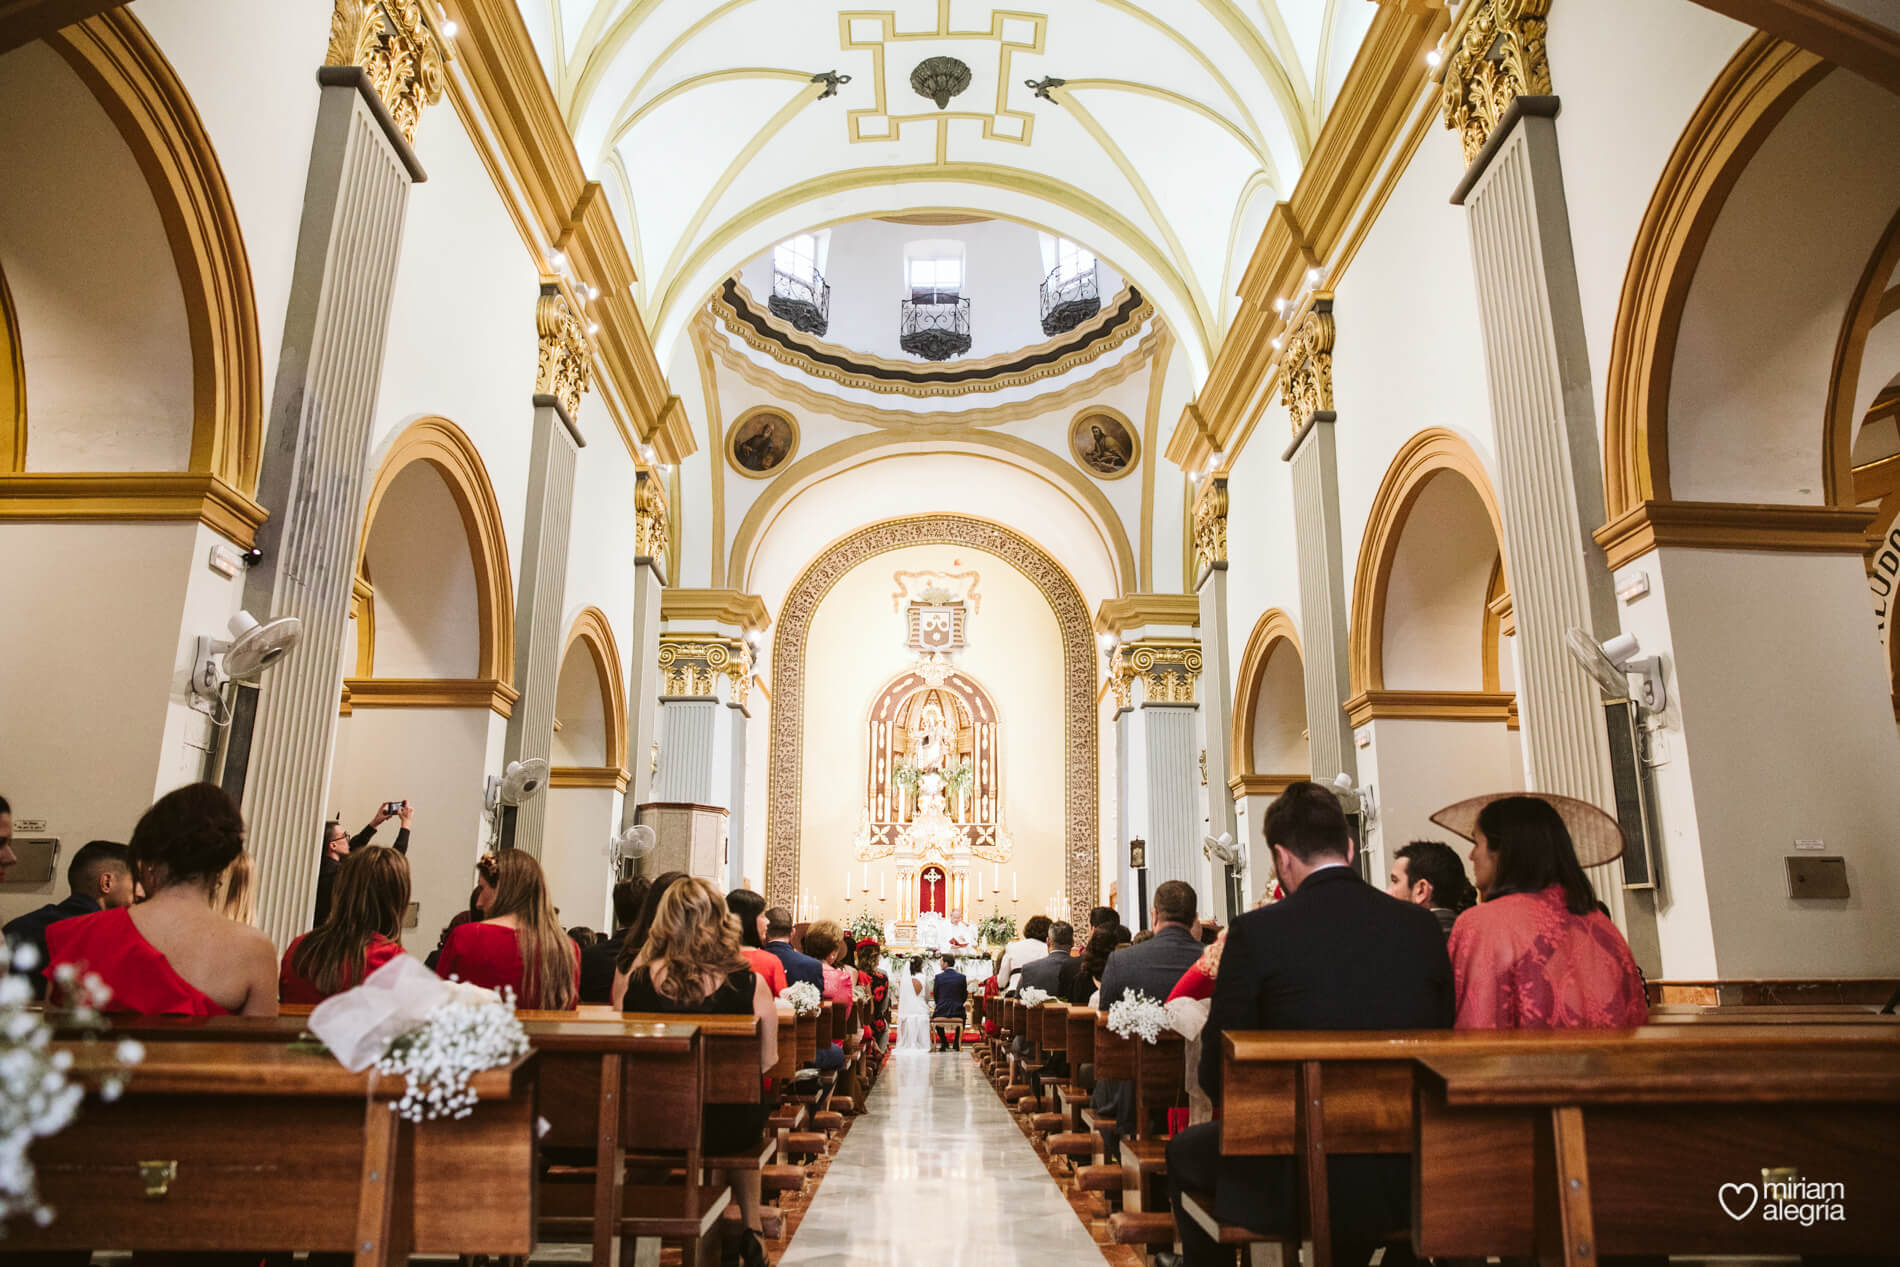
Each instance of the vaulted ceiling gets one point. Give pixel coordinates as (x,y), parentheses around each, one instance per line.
(1157,132)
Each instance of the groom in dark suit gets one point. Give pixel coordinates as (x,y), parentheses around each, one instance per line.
(948,993)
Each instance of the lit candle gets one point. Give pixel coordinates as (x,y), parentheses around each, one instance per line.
(880,886)
(996,881)
(867,877)
(847,884)
(1012,886)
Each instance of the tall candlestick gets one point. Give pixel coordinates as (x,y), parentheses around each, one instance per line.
(847,884)
(1012,887)
(996,881)
(880,886)
(867,877)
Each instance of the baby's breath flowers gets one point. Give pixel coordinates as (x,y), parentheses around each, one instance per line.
(472,1030)
(804,998)
(1032,997)
(1138,1013)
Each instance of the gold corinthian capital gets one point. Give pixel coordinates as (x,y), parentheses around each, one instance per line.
(401,49)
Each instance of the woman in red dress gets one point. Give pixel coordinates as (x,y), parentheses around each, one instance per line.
(520,943)
(174,953)
(1538,952)
(363,932)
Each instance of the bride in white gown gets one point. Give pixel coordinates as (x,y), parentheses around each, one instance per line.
(913,1011)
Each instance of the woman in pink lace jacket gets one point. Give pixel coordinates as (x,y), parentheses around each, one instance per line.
(1538,952)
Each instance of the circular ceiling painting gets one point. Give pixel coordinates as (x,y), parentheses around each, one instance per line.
(761,441)
(1104,444)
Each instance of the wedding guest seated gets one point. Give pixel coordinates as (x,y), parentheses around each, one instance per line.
(1335,954)
(519,944)
(1102,917)
(1086,984)
(100,879)
(822,942)
(1032,945)
(1052,973)
(950,996)
(173,953)
(582,937)
(637,934)
(778,942)
(597,961)
(1539,952)
(877,1026)
(1429,873)
(749,909)
(7,856)
(364,931)
(1151,967)
(236,894)
(472,913)
(691,962)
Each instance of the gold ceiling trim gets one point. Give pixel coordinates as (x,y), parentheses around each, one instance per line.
(1085,351)
(131,497)
(935,219)
(1081,844)
(936,423)
(880,108)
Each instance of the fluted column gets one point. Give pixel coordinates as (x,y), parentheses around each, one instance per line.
(1307,381)
(651,529)
(1217,689)
(1158,731)
(1550,487)
(283,736)
(705,681)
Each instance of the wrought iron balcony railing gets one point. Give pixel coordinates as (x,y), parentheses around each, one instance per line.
(934,325)
(803,301)
(1068,301)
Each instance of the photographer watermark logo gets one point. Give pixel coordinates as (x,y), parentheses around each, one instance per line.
(1785,1200)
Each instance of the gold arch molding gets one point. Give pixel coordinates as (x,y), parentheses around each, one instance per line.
(1273,634)
(592,633)
(447,448)
(1424,456)
(845,455)
(786,768)
(1754,92)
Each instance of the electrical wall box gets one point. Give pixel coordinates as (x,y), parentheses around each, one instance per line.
(38,856)
(1817,877)
(413,916)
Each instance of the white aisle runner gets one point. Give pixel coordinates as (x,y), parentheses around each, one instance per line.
(936,1174)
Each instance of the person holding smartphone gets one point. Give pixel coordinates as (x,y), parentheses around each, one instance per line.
(337,845)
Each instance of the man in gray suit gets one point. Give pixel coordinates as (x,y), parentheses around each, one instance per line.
(1153,968)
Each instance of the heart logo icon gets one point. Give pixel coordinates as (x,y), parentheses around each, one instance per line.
(1738,1191)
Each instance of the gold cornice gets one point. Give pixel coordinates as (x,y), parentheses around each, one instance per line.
(1481,706)
(1734,526)
(798,358)
(399,46)
(128,497)
(1116,616)
(408,692)
(1210,524)
(1497,55)
(716,606)
(602,776)
(802,396)
(1245,785)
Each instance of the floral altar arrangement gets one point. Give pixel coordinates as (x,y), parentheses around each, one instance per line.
(865,926)
(1030,996)
(37,1098)
(438,1034)
(1138,1013)
(804,998)
(996,929)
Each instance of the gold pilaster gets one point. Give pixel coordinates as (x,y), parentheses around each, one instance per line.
(401,49)
(1210,524)
(650,511)
(1497,56)
(561,367)
(1306,380)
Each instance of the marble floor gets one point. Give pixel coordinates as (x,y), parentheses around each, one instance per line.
(935,1174)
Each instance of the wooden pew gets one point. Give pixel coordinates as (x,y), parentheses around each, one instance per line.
(1625,1149)
(1751,992)
(250,1146)
(1356,1090)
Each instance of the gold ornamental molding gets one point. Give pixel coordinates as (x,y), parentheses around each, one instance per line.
(561,347)
(162,496)
(1479,706)
(1081,841)
(650,528)
(691,664)
(1735,526)
(717,607)
(1210,525)
(1245,785)
(417,692)
(1273,634)
(1117,616)
(1166,668)
(1497,56)
(588,776)
(1306,368)
(401,49)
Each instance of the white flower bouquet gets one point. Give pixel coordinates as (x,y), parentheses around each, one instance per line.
(37,1098)
(804,998)
(1138,1014)
(1032,997)
(438,1034)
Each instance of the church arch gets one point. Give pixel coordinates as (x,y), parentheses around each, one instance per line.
(1081,845)
(590,706)
(1269,731)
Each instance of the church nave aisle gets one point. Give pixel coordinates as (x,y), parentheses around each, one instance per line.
(937,1173)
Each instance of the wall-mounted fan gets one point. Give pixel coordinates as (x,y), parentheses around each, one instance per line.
(626,848)
(251,648)
(521,781)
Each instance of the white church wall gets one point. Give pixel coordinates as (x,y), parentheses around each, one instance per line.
(580,877)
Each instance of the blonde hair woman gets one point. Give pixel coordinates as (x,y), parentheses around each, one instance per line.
(691,962)
(363,933)
(519,944)
(236,896)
